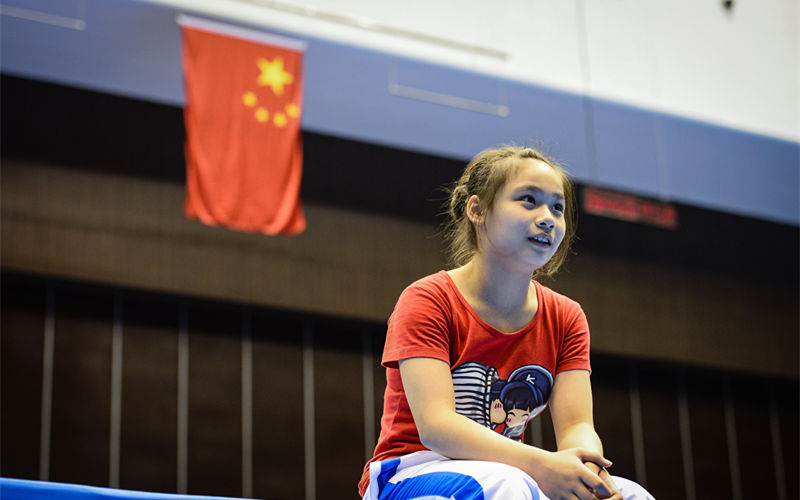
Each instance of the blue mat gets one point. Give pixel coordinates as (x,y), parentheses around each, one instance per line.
(24,489)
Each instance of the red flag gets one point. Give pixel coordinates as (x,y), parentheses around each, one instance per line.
(243,145)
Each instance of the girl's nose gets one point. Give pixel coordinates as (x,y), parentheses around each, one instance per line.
(546,223)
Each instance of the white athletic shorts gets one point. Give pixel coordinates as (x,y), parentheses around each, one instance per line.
(426,475)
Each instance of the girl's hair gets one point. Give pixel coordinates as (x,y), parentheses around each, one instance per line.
(484,176)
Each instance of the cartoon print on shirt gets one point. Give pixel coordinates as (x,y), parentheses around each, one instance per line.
(506,406)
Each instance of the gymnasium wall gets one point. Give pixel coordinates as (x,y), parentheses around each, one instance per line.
(93,190)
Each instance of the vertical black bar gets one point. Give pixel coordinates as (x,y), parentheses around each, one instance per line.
(22,324)
(214,413)
(81,385)
(148,434)
(278,437)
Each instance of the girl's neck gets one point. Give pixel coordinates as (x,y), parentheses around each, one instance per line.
(506,291)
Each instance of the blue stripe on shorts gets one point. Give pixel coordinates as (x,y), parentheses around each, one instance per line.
(449,485)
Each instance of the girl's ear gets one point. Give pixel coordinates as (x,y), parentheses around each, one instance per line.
(475,209)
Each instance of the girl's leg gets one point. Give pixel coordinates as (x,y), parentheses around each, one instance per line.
(631,490)
(460,480)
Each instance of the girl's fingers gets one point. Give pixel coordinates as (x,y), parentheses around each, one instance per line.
(594,457)
(597,486)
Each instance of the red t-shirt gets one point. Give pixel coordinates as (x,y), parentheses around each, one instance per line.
(501,380)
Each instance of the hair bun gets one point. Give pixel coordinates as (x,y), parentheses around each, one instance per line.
(458,200)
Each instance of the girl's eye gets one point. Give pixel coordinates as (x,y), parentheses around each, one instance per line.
(528,199)
(559,207)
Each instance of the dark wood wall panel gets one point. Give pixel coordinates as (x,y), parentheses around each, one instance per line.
(658,389)
(22,314)
(787,400)
(639,309)
(81,386)
(148,436)
(339,408)
(751,406)
(712,474)
(132,233)
(278,409)
(379,372)
(612,413)
(215,400)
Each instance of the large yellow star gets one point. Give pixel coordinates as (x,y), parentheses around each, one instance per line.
(273,74)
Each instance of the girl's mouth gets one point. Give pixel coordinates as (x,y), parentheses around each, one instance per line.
(540,239)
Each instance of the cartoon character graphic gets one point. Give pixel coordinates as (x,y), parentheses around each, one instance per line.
(503,405)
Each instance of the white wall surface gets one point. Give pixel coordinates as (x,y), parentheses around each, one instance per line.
(690,58)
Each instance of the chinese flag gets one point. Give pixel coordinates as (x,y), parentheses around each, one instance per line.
(243,145)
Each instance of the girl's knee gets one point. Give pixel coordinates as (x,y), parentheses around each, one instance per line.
(631,490)
(507,482)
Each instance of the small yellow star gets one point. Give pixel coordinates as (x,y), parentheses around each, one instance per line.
(273,75)
(249,99)
(262,115)
(292,110)
(280,120)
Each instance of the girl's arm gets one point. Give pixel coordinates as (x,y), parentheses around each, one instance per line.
(573,422)
(429,389)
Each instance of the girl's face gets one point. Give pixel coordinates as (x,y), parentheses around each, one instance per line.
(526,223)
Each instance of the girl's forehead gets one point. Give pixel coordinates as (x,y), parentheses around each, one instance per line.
(535,173)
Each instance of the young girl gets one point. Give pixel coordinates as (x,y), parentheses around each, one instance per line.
(472,354)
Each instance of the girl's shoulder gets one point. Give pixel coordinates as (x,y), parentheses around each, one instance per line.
(553,298)
(435,291)
(439,282)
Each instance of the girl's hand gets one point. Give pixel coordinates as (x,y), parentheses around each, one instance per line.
(606,477)
(563,475)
